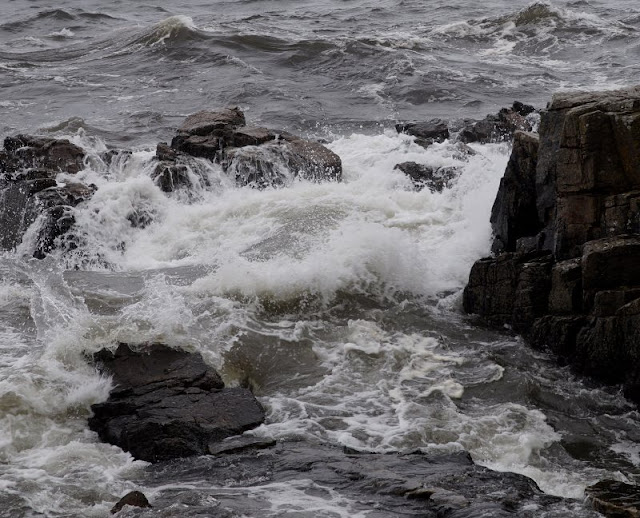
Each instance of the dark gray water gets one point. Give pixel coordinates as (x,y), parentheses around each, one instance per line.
(338,303)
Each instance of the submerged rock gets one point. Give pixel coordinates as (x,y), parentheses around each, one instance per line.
(168,403)
(436,179)
(376,484)
(252,155)
(614,499)
(134,499)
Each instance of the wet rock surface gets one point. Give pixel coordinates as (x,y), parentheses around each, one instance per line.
(255,156)
(168,403)
(30,192)
(493,128)
(615,499)
(382,485)
(572,193)
(134,499)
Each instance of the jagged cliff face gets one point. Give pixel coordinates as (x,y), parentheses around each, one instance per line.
(566,269)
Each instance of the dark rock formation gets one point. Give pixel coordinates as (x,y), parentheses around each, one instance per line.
(436,179)
(168,403)
(615,499)
(29,191)
(426,133)
(134,499)
(493,128)
(573,199)
(410,484)
(252,155)
(514,212)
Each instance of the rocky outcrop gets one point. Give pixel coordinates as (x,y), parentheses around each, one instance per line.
(29,191)
(254,156)
(570,196)
(168,403)
(493,128)
(436,179)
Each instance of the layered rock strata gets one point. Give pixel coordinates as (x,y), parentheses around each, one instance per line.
(168,403)
(566,266)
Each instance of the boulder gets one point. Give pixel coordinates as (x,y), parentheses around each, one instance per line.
(426,133)
(134,499)
(168,403)
(254,156)
(514,214)
(614,499)
(436,179)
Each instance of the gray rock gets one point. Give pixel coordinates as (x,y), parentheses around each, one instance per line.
(168,403)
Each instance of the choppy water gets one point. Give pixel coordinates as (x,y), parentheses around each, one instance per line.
(338,303)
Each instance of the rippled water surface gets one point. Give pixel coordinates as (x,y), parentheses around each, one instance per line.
(338,303)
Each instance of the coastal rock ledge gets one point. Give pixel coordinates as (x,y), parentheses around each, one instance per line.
(565,269)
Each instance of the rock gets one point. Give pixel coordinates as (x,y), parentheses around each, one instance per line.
(557,333)
(614,499)
(30,194)
(510,289)
(378,484)
(254,156)
(171,172)
(134,499)
(436,179)
(494,128)
(609,263)
(28,152)
(168,403)
(577,199)
(275,163)
(207,122)
(426,133)
(566,287)
(238,444)
(514,214)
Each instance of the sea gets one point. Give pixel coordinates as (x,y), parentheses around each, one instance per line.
(338,303)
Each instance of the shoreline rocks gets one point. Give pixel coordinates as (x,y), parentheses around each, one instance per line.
(566,266)
(168,404)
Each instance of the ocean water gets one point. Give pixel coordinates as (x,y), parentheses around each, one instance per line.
(338,303)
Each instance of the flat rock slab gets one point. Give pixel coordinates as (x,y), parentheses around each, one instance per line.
(168,403)
(373,484)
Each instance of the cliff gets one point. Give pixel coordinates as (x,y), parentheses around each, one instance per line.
(565,269)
